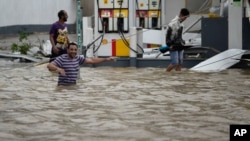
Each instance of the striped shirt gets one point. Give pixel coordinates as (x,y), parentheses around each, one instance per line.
(70,66)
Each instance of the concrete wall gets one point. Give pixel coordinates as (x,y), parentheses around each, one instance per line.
(173,8)
(29,12)
(37,15)
(34,15)
(45,11)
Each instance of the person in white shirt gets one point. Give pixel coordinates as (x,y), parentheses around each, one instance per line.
(174,40)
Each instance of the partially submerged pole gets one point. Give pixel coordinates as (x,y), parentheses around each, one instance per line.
(79,25)
(235,14)
(79,28)
(139,42)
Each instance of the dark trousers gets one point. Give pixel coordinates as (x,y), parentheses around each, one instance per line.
(53,55)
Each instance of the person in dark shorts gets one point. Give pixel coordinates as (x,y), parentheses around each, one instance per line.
(58,35)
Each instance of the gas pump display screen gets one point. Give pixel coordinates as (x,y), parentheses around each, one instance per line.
(154,3)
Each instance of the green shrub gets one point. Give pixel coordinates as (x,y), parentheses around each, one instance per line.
(22,47)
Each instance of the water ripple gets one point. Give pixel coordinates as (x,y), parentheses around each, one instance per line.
(122,104)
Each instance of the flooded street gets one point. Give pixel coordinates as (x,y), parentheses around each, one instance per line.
(121,104)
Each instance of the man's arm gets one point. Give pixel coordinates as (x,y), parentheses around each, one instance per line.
(169,42)
(68,41)
(99,60)
(53,67)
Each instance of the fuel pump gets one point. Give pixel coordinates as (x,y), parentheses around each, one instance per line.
(148,13)
(121,20)
(142,13)
(105,20)
(105,15)
(121,16)
(154,13)
(113,15)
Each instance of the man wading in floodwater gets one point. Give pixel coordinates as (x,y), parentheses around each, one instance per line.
(67,65)
(174,40)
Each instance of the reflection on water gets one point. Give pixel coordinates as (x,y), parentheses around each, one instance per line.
(122,104)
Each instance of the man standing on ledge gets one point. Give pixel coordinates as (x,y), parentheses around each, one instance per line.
(58,35)
(67,65)
(174,40)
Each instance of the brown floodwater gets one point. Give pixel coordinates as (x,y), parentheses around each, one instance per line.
(121,104)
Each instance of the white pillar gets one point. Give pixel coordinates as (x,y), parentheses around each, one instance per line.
(86,23)
(235,24)
(133,41)
(133,47)
(132,13)
(89,39)
(139,40)
(88,36)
